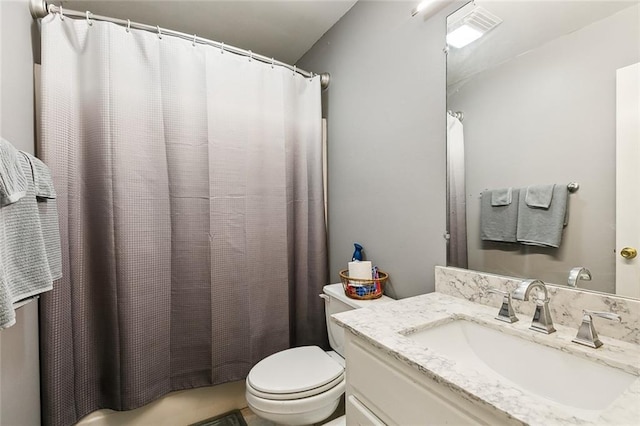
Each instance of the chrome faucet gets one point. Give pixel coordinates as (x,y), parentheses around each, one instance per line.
(506,312)
(541,317)
(578,273)
(587,334)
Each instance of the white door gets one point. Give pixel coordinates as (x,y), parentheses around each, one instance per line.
(628,180)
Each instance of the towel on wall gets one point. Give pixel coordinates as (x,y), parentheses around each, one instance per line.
(25,268)
(498,223)
(501,197)
(542,226)
(41,177)
(539,196)
(48,212)
(13,183)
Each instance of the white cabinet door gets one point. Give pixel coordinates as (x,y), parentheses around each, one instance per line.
(628,178)
(359,415)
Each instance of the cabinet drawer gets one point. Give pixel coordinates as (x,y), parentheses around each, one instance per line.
(399,395)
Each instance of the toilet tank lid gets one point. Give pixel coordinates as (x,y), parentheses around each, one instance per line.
(294,370)
(337,291)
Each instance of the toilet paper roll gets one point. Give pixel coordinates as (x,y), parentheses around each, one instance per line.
(360,270)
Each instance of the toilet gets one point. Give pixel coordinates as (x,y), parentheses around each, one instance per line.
(302,386)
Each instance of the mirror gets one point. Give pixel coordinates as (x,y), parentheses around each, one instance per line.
(537,95)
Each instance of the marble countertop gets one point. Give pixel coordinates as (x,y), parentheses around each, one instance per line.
(386,326)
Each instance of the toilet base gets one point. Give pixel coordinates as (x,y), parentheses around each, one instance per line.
(296,412)
(298,419)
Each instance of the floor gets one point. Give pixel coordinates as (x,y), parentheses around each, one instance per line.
(253,420)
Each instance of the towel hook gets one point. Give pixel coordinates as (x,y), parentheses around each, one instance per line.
(573,187)
(87,16)
(128,25)
(159,32)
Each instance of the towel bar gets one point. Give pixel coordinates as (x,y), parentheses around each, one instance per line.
(571,187)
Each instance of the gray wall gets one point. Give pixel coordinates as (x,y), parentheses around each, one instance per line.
(385,110)
(548,116)
(19,366)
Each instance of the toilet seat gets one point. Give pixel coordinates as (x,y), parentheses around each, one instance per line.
(294,373)
(295,395)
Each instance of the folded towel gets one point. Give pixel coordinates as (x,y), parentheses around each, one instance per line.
(501,197)
(41,177)
(498,223)
(24,263)
(13,183)
(540,226)
(539,196)
(48,212)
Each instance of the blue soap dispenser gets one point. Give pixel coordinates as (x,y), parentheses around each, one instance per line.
(357,254)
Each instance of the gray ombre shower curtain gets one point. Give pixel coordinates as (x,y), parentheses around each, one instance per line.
(191,208)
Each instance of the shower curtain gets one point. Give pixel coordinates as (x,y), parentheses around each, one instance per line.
(457,206)
(191,208)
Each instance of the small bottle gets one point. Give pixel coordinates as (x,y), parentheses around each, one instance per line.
(357,254)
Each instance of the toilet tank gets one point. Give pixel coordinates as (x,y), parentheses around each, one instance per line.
(335,301)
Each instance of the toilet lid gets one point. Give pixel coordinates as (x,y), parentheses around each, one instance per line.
(294,370)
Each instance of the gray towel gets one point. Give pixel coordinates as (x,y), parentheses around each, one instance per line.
(41,177)
(498,223)
(24,264)
(539,226)
(48,212)
(13,183)
(501,197)
(539,196)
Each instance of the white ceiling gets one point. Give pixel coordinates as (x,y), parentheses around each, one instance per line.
(526,25)
(284,30)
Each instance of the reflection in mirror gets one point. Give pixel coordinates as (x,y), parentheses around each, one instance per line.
(538,95)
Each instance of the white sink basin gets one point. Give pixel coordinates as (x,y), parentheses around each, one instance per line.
(549,373)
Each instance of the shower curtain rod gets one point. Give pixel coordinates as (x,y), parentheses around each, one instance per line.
(458,114)
(40,9)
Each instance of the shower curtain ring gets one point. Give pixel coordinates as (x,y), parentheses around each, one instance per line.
(222,47)
(87,15)
(294,70)
(159,32)
(61,13)
(194,40)
(250,56)
(273,62)
(128,25)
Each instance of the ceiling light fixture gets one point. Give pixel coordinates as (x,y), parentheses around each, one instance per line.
(468,25)
(462,36)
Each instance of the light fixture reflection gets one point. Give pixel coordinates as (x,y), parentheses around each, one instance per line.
(419,7)
(430,7)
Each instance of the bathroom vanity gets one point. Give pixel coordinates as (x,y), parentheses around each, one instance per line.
(383,390)
(439,359)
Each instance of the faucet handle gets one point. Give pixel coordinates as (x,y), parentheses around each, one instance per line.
(506,313)
(587,334)
(608,315)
